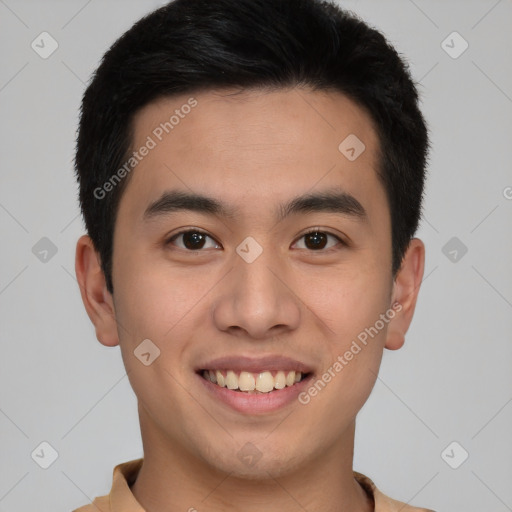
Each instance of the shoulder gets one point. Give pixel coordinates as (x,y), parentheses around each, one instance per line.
(120,496)
(384,503)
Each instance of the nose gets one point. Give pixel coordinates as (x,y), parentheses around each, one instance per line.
(256,299)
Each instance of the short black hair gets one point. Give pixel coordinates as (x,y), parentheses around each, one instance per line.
(189,46)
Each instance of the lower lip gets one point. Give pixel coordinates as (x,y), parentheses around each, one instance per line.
(254,403)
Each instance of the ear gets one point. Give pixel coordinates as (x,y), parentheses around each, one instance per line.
(405,292)
(93,288)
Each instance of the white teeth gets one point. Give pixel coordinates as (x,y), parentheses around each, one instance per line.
(280,380)
(263,382)
(290,378)
(231,380)
(246,382)
(220,379)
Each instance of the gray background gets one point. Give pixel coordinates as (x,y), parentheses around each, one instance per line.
(452,380)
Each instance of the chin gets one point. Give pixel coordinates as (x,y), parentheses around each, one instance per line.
(260,461)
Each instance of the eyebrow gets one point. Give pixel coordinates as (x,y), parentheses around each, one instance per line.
(331,200)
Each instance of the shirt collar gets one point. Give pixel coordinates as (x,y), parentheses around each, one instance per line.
(122,499)
(121,496)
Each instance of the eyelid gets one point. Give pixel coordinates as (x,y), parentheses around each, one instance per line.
(308,231)
(319,229)
(192,229)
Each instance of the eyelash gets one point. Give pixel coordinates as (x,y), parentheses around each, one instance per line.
(314,230)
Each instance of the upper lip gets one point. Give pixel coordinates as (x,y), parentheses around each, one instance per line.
(255,364)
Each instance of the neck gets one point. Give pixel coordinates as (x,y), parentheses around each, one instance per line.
(172,478)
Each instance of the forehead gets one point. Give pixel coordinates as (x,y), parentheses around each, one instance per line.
(253,145)
(247,118)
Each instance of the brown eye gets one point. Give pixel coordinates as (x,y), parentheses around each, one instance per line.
(192,240)
(317,240)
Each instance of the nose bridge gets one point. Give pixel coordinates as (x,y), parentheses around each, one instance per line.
(257,301)
(257,287)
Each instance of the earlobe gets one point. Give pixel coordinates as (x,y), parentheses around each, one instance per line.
(394,339)
(95,296)
(405,293)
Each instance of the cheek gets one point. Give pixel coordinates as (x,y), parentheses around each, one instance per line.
(351,305)
(156,314)
(154,300)
(347,300)
(359,319)
(153,312)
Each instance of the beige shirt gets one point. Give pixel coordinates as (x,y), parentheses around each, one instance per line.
(121,498)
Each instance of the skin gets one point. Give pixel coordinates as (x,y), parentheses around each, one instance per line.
(253,151)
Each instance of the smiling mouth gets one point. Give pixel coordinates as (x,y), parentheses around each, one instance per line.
(249,382)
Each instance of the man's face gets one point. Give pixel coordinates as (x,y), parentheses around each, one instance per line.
(254,292)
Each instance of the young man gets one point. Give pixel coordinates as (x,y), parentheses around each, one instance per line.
(251,175)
